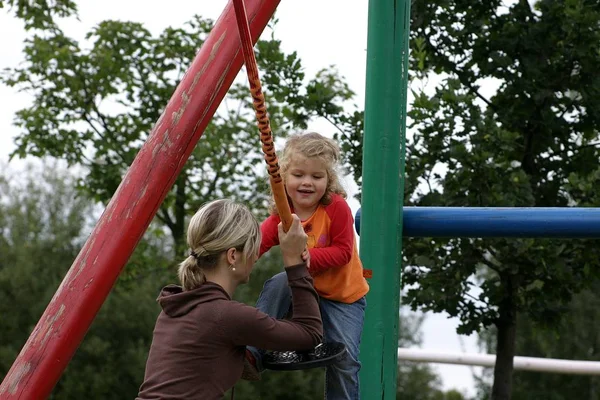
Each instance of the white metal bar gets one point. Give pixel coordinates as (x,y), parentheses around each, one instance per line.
(489,360)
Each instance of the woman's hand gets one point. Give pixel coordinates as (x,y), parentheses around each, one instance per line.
(306,257)
(292,243)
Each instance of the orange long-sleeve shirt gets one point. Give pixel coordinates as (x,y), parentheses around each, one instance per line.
(334,263)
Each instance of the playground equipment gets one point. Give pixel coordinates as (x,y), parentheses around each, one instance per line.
(483,222)
(321,356)
(488,360)
(480,222)
(383,169)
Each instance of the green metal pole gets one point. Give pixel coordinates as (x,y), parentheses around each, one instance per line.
(382,192)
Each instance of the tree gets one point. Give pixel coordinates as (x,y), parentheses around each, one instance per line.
(95,103)
(43,224)
(36,244)
(575,338)
(532,142)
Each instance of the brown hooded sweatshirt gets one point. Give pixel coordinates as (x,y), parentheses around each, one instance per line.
(200,338)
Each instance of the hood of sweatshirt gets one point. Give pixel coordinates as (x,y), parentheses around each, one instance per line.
(176,302)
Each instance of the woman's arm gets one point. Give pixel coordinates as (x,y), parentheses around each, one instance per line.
(305,330)
(248,326)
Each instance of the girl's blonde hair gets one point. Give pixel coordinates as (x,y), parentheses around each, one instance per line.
(215,228)
(313,145)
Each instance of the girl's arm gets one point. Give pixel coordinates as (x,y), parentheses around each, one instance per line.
(248,326)
(341,232)
(268,230)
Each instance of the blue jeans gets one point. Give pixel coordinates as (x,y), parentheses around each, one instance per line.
(341,323)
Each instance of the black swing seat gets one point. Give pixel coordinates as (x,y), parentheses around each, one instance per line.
(321,356)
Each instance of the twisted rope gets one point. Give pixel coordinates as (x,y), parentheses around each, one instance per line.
(262,117)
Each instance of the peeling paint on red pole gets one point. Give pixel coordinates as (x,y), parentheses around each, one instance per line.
(67,318)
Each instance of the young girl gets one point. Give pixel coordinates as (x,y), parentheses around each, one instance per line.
(200,337)
(308,164)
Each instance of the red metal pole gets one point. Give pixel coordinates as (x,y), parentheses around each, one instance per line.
(67,318)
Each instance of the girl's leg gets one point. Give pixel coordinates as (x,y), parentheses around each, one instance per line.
(343,323)
(275,300)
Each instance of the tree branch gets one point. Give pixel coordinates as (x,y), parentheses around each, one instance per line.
(163,216)
(460,74)
(213,184)
(335,126)
(89,101)
(490,266)
(476,299)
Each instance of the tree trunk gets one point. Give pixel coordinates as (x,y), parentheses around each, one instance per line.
(505,351)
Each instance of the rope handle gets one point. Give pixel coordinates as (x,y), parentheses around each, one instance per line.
(262,118)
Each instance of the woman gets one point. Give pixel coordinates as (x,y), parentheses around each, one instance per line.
(200,337)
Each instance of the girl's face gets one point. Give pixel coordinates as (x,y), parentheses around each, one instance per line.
(306,182)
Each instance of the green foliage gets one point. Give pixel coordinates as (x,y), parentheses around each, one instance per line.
(43,223)
(575,338)
(351,127)
(37,244)
(40,14)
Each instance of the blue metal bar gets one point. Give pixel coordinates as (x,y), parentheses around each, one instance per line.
(576,223)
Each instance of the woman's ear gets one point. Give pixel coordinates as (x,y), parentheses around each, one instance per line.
(231,256)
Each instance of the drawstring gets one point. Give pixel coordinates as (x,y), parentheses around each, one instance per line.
(232,390)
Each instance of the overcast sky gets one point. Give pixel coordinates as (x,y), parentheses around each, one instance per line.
(322,32)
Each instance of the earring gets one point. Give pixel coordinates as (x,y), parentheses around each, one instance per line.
(232,267)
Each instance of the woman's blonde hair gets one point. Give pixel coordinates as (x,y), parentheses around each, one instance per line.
(215,228)
(313,145)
